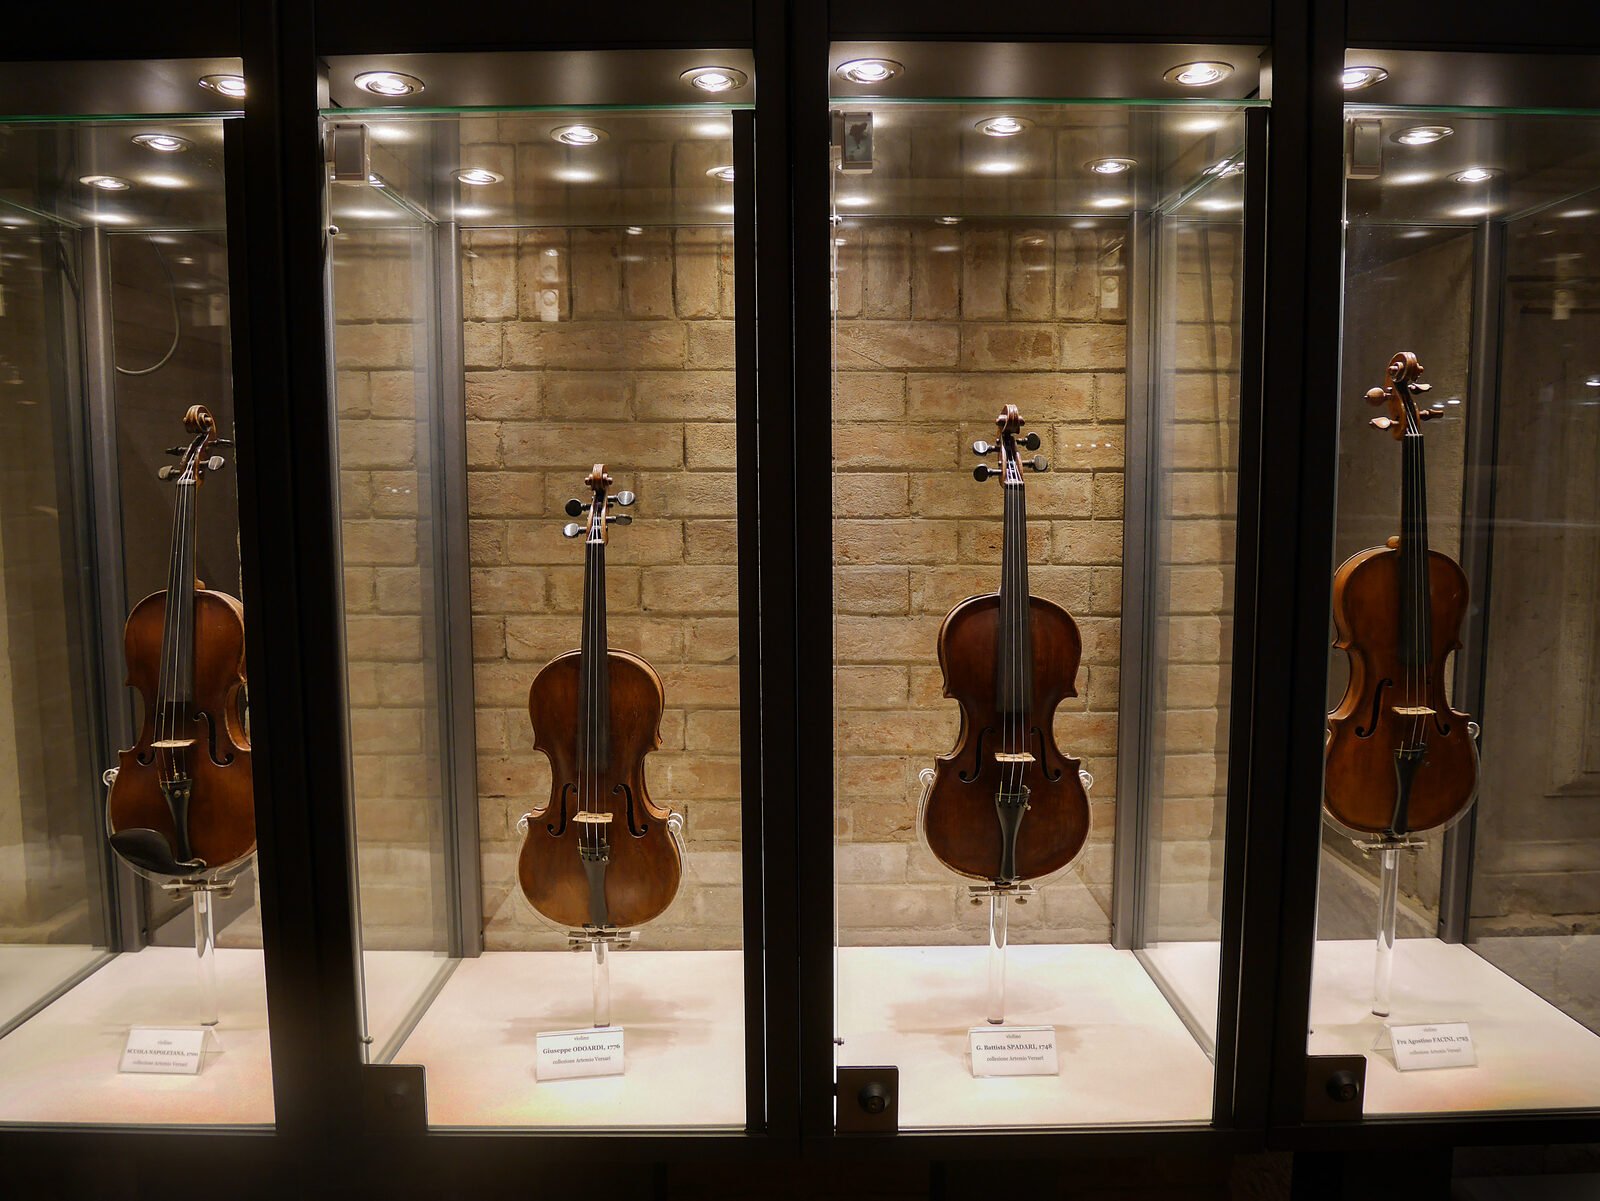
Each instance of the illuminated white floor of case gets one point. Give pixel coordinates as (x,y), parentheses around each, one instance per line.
(28,973)
(1190,970)
(60,1066)
(1126,1057)
(684,1016)
(1530,1054)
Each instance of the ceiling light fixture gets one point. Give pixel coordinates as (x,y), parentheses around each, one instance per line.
(635,230)
(1003,127)
(1356,78)
(1474,175)
(390,84)
(578,135)
(231,86)
(1423,135)
(1198,75)
(1110,166)
(478,176)
(725,174)
(948,220)
(715,79)
(1592,382)
(869,70)
(166,143)
(106,183)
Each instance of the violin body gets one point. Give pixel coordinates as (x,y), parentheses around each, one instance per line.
(959,813)
(645,860)
(221,825)
(1362,787)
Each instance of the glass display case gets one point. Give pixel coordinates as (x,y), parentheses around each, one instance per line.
(129,930)
(1039,331)
(1455,944)
(541,437)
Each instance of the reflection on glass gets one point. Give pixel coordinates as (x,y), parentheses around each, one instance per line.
(1084,268)
(510,309)
(1469,248)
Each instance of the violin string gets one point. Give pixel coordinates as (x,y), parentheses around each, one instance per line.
(167,672)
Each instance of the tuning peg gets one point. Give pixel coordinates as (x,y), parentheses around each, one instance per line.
(980,447)
(1031,441)
(1421,387)
(625,498)
(1432,411)
(167,472)
(621,519)
(214,463)
(1381,423)
(572,529)
(1037,463)
(983,471)
(574,507)
(177,451)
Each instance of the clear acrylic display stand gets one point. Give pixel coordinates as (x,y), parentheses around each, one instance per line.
(600,943)
(1389,850)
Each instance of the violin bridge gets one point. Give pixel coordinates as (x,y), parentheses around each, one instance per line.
(1413,711)
(175,744)
(1007,757)
(596,819)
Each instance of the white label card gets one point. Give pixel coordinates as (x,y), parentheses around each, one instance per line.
(165,1051)
(1446,1045)
(1013,1051)
(570,1054)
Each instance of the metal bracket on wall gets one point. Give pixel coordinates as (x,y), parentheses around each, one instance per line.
(868,1100)
(349,153)
(394,1098)
(852,138)
(1336,1087)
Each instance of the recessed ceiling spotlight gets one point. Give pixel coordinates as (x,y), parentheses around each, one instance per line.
(166,143)
(1198,75)
(725,174)
(106,183)
(578,135)
(948,220)
(1474,175)
(869,70)
(715,79)
(388,83)
(231,86)
(1423,135)
(635,230)
(1592,382)
(1003,127)
(1356,78)
(1110,166)
(478,176)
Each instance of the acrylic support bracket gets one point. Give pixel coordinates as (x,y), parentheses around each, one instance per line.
(600,943)
(1388,850)
(999,895)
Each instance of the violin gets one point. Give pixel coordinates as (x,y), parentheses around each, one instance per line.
(1006,805)
(182,803)
(600,854)
(1400,760)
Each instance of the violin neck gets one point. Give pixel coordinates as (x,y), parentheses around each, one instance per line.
(1014,654)
(177,639)
(1416,605)
(594,674)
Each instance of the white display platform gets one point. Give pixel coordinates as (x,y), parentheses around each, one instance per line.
(684,1016)
(1126,1057)
(1190,972)
(1530,1054)
(60,1066)
(30,972)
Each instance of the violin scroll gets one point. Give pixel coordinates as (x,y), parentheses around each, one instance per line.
(1404,382)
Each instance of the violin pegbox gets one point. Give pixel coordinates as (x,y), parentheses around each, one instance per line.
(1404,385)
(1009,424)
(195,462)
(600,515)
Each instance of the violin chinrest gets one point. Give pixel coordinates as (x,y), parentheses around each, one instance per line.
(149,851)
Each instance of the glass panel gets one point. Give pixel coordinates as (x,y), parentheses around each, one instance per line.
(1469,244)
(1080,262)
(511,307)
(113,271)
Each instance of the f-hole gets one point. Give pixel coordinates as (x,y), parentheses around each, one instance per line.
(977,757)
(637,830)
(1044,756)
(554,829)
(211,741)
(1371,727)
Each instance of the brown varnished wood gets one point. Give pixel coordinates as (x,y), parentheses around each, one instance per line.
(1360,787)
(644,872)
(958,816)
(222,829)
